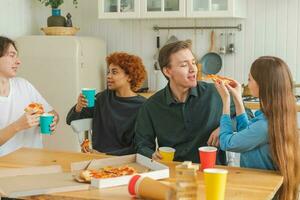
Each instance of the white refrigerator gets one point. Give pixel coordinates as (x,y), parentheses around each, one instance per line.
(59,66)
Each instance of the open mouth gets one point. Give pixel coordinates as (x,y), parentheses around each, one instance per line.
(192,77)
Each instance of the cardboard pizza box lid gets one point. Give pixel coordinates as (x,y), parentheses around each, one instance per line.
(20,182)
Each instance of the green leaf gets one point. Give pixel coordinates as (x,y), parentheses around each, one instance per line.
(56,3)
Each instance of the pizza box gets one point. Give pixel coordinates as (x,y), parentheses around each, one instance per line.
(143,165)
(20,182)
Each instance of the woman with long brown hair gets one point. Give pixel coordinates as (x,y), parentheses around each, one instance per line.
(270,140)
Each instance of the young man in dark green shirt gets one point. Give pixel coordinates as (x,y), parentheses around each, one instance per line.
(185,114)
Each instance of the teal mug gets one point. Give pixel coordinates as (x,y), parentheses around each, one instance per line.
(45,121)
(89,94)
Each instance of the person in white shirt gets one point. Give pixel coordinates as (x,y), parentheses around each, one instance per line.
(17,128)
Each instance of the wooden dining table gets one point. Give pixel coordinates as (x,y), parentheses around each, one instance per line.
(242,183)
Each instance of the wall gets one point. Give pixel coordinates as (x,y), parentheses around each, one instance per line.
(16,18)
(271,28)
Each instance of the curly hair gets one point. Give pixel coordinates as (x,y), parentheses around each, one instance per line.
(132,66)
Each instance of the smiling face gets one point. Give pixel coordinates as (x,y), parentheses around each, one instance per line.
(9,63)
(117,78)
(182,70)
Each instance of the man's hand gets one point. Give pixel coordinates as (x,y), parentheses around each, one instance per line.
(156,155)
(213,139)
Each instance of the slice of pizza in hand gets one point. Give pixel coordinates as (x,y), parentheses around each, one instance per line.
(35,108)
(219,78)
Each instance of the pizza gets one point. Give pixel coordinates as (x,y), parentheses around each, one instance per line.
(107,172)
(85,144)
(219,78)
(35,108)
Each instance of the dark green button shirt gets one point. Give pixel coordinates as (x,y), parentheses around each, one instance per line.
(183,126)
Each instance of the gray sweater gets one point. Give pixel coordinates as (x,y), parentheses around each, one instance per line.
(113,122)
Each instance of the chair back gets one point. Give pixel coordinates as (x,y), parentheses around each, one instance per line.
(82,126)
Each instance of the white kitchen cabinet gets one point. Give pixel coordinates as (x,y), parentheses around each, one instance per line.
(118,9)
(163,8)
(216,8)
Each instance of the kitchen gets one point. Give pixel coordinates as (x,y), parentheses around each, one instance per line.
(268,28)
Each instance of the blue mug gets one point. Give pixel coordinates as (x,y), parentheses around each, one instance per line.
(45,121)
(89,94)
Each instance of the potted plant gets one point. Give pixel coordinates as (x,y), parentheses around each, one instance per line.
(56,19)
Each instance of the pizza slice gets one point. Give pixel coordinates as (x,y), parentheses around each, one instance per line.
(85,144)
(35,108)
(86,175)
(107,172)
(219,78)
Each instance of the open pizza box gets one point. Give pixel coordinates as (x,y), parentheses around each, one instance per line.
(143,165)
(20,182)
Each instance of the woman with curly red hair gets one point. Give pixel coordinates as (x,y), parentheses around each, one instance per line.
(115,108)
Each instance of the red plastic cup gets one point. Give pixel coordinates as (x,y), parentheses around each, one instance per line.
(207,156)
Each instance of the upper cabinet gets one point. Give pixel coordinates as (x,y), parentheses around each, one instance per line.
(162,8)
(109,9)
(120,9)
(216,8)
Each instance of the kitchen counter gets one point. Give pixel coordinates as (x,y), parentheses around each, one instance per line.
(248,104)
(256,106)
(246,184)
(252,105)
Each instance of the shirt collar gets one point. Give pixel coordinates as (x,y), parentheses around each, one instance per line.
(169,96)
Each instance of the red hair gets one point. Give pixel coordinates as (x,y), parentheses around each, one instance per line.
(132,66)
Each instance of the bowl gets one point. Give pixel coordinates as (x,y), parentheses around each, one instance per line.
(60,30)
